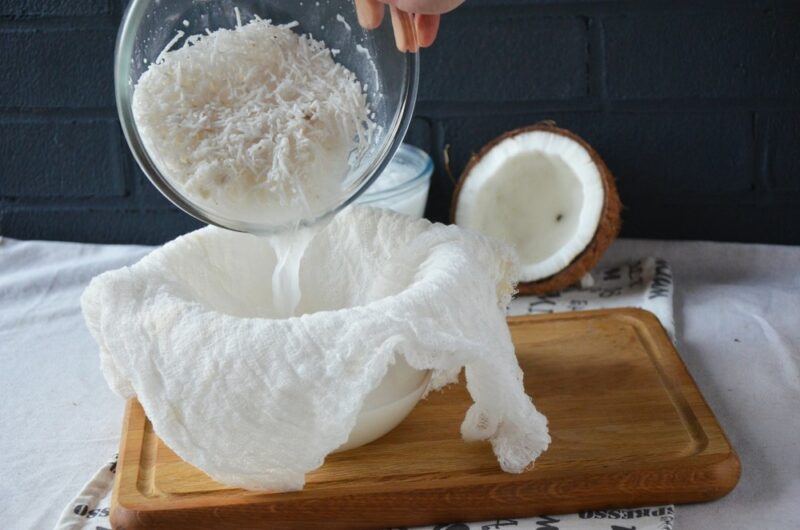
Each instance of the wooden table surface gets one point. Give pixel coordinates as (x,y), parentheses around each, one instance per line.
(629,428)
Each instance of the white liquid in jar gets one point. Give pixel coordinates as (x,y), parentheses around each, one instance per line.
(403,186)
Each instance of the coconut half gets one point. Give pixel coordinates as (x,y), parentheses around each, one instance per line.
(548,193)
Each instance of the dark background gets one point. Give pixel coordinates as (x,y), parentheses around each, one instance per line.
(695,106)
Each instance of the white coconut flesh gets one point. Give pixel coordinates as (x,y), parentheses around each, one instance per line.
(539,191)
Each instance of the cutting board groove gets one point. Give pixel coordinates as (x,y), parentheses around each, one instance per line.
(629,428)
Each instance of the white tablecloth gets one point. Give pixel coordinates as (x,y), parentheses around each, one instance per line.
(737,310)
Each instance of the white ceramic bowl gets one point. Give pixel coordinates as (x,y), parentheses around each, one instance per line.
(389,404)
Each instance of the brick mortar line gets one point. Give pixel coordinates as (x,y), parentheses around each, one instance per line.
(434,109)
(757,179)
(69,208)
(448,109)
(97,23)
(63,200)
(454,109)
(723,7)
(577,8)
(596,59)
(761,152)
(111,19)
(35,114)
(441,177)
(639,202)
(688,198)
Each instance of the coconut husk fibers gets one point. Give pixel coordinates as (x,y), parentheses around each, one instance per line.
(607,229)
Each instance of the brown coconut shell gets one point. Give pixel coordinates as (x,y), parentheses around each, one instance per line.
(607,228)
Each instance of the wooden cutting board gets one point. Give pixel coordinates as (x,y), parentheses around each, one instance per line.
(629,428)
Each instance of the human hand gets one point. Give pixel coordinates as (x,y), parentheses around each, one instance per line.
(415,22)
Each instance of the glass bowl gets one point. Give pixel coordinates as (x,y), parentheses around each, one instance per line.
(390,76)
(404,185)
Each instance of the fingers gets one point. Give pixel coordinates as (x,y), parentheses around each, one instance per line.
(426,26)
(410,31)
(404,31)
(370,13)
(425,7)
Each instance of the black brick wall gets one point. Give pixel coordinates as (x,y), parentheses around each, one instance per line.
(695,106)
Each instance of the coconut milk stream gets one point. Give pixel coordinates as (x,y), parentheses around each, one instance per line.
(289,246)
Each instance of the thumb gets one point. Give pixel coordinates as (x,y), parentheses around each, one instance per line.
(425,7)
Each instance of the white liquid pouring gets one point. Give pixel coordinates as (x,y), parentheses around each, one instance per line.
(391,401)
(290,247)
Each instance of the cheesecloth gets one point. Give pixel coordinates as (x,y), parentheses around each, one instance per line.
(257,402)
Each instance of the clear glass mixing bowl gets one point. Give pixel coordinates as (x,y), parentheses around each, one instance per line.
(391,77)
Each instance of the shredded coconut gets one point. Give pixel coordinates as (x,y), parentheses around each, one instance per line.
(257,123)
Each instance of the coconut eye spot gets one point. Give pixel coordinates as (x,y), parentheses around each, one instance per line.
(534,204)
